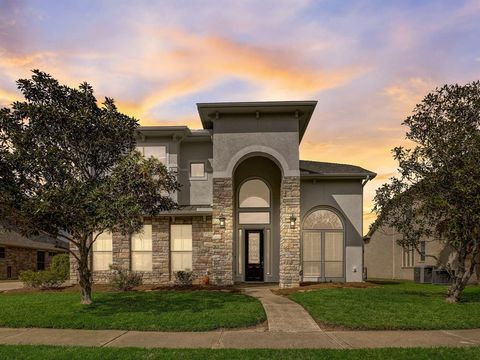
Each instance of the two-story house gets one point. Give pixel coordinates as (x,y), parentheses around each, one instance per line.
(250,209)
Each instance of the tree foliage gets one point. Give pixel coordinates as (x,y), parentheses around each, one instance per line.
(69,168)
(437,191)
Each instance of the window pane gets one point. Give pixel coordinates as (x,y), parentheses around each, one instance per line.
(181,261)
(102,261)
(312,268)
(142,241)
(323,219)
(142,261)
(312,246)
(103,242)
(197,170)
(159,152)
(334,269)
(254,193)
(333,246)
(181,237)
(254,218)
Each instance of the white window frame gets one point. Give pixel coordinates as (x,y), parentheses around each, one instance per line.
(190,163)
(95,251)
(188,252)
(144,252)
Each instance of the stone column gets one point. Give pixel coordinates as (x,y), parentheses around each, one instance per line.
(222,239)
(289,238)
(121,250)
(160,252)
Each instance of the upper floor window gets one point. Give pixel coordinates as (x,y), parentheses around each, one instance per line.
(2,253)
(423,251)
(197,170)
(157,151)
(254,194)
(408,257)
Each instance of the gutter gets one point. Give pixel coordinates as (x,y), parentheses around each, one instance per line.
(367,179)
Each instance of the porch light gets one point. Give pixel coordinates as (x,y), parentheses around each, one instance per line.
(293,220)
(222,221)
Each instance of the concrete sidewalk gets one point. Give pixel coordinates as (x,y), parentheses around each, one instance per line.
(6,285)
(242,339)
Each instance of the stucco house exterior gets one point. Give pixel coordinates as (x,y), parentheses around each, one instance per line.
(386,259)
(250,209)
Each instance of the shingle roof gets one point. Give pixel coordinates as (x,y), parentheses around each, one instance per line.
(326,169)
(41,242)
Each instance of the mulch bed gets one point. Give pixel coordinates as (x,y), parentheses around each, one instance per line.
(317,286)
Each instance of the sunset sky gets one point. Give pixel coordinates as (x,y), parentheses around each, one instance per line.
(366,62)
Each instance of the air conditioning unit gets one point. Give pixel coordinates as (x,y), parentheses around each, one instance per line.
(423,274)
(441,277)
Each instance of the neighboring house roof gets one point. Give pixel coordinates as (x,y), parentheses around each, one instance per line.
(319,169)
(303,110)
(41,242)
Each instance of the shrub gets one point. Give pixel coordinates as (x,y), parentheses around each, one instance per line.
(124,280)
(47,279)
(61,265)
(183,278)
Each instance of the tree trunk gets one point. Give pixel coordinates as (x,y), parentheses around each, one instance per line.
(462,276)
(85,274)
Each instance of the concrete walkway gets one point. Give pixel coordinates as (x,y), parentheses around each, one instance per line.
(10,285)
(282,313)
(242,339)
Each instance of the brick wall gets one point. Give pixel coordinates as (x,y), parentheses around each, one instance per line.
(20,259)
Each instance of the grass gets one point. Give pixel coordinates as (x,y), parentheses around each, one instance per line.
(402,305)
(156,310)
(28,352)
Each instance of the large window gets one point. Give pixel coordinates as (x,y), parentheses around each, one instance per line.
(142,249)
(323,246)
(254,194)
(181,247)
(408,257)
(157,151)
(102,252)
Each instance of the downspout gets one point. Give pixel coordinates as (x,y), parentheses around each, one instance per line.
(393,255)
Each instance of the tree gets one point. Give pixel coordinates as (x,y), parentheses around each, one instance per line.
(70,169)
(437,191)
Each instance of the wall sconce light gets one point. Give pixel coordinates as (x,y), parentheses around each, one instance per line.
(293,220)
(222,221)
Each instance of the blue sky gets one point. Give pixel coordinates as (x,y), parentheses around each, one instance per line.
(366,62)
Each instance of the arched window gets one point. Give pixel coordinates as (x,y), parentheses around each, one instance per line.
(323,246)
(254,194)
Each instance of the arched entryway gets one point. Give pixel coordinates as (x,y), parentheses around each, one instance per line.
(257,182)
(323,246)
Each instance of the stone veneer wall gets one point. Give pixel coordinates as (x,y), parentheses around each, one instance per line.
(160,274)
(20,259)
(289,238)
(222,239)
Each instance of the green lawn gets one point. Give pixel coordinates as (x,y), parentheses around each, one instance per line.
(402,305)
(156,310)
(81,353)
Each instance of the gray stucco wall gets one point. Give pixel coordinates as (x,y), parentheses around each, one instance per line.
(237,137)
(195,191)
(346,196)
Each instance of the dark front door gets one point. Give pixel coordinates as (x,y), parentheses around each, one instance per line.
(253,255)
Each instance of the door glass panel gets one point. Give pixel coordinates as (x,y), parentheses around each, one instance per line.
(254,248)
(333,246)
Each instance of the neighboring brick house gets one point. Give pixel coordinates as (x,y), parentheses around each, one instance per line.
(386,259)
(251,210)
(18,253)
